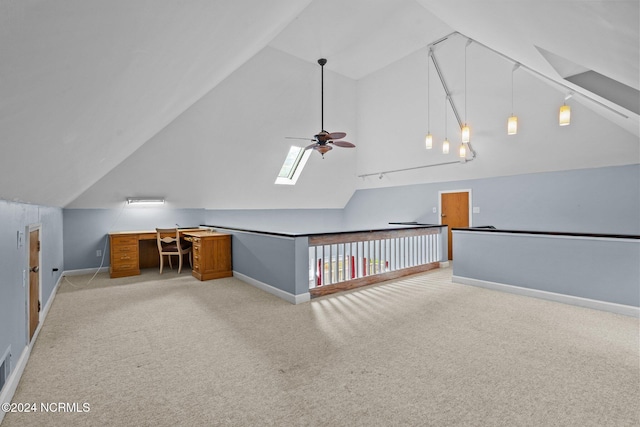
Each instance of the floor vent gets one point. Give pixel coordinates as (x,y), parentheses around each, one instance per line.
(5,367)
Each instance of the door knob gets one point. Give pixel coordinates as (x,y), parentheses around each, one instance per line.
(34,269)
(442,215)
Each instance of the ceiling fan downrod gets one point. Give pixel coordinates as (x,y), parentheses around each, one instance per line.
(322,61)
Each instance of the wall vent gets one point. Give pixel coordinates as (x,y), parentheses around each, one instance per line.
(5,367)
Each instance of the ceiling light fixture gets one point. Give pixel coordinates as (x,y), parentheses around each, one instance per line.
(512,123)
(322,138)
(428,140)
(145,200)
(466,132)
(445,143)
(564,118)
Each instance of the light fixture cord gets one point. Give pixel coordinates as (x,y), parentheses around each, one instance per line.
(512,71)
(465,82)
(428,92)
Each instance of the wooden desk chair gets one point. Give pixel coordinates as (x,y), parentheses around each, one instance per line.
(169,244)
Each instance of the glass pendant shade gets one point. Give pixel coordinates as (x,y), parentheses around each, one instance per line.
(445,146)
(565,115)
(466,134)
(428,141)
(512,125)
(462,151)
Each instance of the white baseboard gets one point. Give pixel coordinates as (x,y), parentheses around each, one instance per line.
(626,310)
(16,373)
(12,382)
(293,299)
(47,306)
(83,271)
(444,264)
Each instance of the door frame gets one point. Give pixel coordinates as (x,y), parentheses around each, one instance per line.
(468,191)
(28,230)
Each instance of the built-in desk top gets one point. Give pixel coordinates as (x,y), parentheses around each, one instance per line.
(149,234)
(204,233)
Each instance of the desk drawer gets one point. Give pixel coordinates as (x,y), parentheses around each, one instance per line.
(124,266)
(124,257)
(125,249)
(124,240)
(196,255)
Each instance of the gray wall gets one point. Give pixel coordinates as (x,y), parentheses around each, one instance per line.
(85,230)
(268,259)
(600,200)
(279,220)
(14,260)
(595,268)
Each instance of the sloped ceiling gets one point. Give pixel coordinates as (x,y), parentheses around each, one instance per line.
(96,97)
(83,84)
(227,149)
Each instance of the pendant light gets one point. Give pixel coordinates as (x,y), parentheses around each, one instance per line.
(466,132)
(428,140)
(445,143)
(564,118)
(512,123)
(462,151)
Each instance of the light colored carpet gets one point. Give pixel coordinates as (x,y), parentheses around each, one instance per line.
(170,350)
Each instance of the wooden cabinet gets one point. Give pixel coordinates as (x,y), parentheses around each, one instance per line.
(211,255)
(124,255)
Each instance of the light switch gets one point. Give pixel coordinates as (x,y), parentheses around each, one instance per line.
(435,210)
(476,209)
(20,239)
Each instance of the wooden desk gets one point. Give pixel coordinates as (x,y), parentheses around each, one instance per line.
(132,250)
(211,254)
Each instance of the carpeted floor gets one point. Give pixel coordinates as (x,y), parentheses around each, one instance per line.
(170,350)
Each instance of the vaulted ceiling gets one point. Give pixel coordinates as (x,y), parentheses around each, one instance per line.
(193,100)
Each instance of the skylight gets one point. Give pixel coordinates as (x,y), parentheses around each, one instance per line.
(604,86)
(293,165)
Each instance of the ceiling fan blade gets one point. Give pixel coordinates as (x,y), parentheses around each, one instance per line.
(345,144)
(311,146)
(337,135)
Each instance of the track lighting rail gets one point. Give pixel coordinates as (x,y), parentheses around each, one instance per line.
(381,174)
(566,87)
